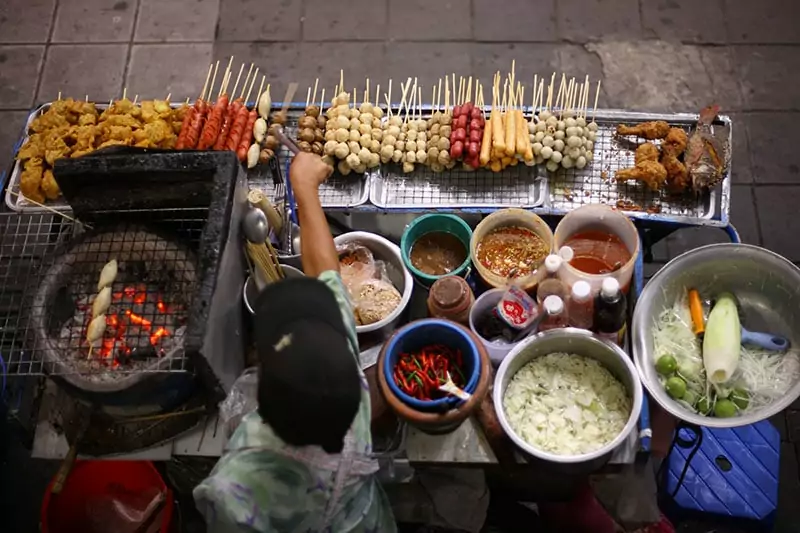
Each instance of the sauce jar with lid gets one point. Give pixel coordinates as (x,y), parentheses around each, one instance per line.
(451,298)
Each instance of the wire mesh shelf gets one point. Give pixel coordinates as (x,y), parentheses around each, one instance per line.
(337,192)
(571,189)
(49,269)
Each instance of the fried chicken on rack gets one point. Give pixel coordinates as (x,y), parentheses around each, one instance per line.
(677,174)
(656,129)
(646,152)
(49,186)
(31,179)
(652,173)
(675,142)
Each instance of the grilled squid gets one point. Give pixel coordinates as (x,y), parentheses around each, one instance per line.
(101,302)
(107,275)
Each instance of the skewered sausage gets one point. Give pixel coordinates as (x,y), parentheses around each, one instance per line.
(187,123)
(227,123)
(214,123)
(232,144)
(247,136)
(198,119)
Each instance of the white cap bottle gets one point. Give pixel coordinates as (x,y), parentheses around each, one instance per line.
(609,289)
(581,305)
(553,305)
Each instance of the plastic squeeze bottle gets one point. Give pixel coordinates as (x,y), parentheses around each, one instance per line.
(555,314)
(580,307)
(610,310)
(551,285)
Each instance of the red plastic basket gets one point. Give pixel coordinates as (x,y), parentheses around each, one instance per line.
(91,484)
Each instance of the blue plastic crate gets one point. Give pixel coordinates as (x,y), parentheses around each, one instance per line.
(733,474)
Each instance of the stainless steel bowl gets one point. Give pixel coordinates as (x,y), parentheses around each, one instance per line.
(573,341)
(767,287)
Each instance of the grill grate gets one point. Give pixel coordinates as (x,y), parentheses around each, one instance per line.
(33,248)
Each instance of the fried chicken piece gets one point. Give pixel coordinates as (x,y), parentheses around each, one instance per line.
(646,152)
(652,173)
(122,120)
(117,133)
(87,119)
(31,179)
(33,147)
(677,174)
(656,129)
(158,132)
(47,121)
(49,186)
(675,142)
(114,142)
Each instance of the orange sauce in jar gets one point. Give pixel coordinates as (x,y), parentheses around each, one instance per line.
(598,252)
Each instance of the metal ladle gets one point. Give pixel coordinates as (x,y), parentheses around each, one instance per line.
(255,226)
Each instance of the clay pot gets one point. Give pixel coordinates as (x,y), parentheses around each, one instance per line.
(443,422)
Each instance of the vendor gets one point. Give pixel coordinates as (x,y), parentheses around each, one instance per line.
(301,461)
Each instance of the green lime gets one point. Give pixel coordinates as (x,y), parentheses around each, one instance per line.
(703,405)
(666,365)
(690,397)
(676,387)
(740,398)
(724,409)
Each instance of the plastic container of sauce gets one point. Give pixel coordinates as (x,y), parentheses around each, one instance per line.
(604,242)
(451,298)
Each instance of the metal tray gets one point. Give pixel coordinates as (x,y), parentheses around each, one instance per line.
(595,184)
(338,192)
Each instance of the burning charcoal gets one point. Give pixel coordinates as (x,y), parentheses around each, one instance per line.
(142,354)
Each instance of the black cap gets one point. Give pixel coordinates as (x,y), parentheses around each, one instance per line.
(309,389)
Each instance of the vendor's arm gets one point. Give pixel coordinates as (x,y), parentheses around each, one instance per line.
(307,173)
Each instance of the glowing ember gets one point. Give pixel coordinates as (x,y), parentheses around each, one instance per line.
(138,320)
(129,291)
(161,307)
(160,332)
(140,298)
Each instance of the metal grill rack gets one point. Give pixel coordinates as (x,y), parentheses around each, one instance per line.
(30,245)
(337,192)
(595,184)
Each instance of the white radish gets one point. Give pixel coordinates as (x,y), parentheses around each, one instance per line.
(107,275)
(722,340)
(101,302)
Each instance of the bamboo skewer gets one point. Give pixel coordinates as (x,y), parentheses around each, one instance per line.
(50,209)
(596,96)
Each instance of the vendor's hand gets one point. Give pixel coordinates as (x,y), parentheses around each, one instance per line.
(307,173)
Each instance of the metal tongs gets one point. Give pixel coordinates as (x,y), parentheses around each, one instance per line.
(292,147)
(286,141)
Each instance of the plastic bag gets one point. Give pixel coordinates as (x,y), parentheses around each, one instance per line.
(356,264)
(125,511)
(372,293)
(242,399)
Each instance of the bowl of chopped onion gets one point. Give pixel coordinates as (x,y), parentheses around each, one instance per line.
(690,335)
(566,396)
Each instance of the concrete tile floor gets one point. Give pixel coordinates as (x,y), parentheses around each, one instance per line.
(674,55)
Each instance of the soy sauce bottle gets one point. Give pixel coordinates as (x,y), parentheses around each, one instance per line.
(610,310)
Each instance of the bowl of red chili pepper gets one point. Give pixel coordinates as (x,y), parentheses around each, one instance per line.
(419,357)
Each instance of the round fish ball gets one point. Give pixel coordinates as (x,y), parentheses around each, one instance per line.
(569,113)
(354,123)
(435,129)
(572,131)
(403,136)
(580,132)
(560,135)
(397,156)
(400,145)
(342,122)
(560,125)
(589,156)
(343,111)
(385,160)
(354,147)
(548,141)
(558,145)
(582,150)
(341,151)
(343,97)
(589,145)
(354,113)
(353,135)
(445,131)
(422,125)
(539,159)
(574,141)
(344,168)
(422,136)
(366,118)
(447,118)
(330,135)
(411,146)
(364,155)
(353,160)
(580,121)
(331,113)
(387,151)
(592,136)
(570,122)
(537,148)
(574,153)
(539,136)
(393,130)
(412,126)
(444,157)
(329,148)
(412,135)
(378,112)
(411,157)
(395,121)
(366,107)
(547,152)
(552,121)
(580,162)
(541,126)
(552,166)
(408,167)
(531,127)
(421,145)
(567,162)
(376,122)
(551,130)
(365,141)
(364,128)
(422,156)
(557,156)
(374,160)
(544,115)
(433,153)
(444,144)
(592,126)
(377,134)
(360,169)
(375,146)
(389,140)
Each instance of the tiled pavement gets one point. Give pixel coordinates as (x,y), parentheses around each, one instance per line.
(675,55)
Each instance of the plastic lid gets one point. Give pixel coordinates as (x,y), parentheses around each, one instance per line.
(566,253)
(552,263)
(609,288)
(553,305)
(581,290)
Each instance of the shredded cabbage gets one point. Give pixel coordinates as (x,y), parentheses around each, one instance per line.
(765,375)
(566,404)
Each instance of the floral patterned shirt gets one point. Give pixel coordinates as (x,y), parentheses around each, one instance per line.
(263,484)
